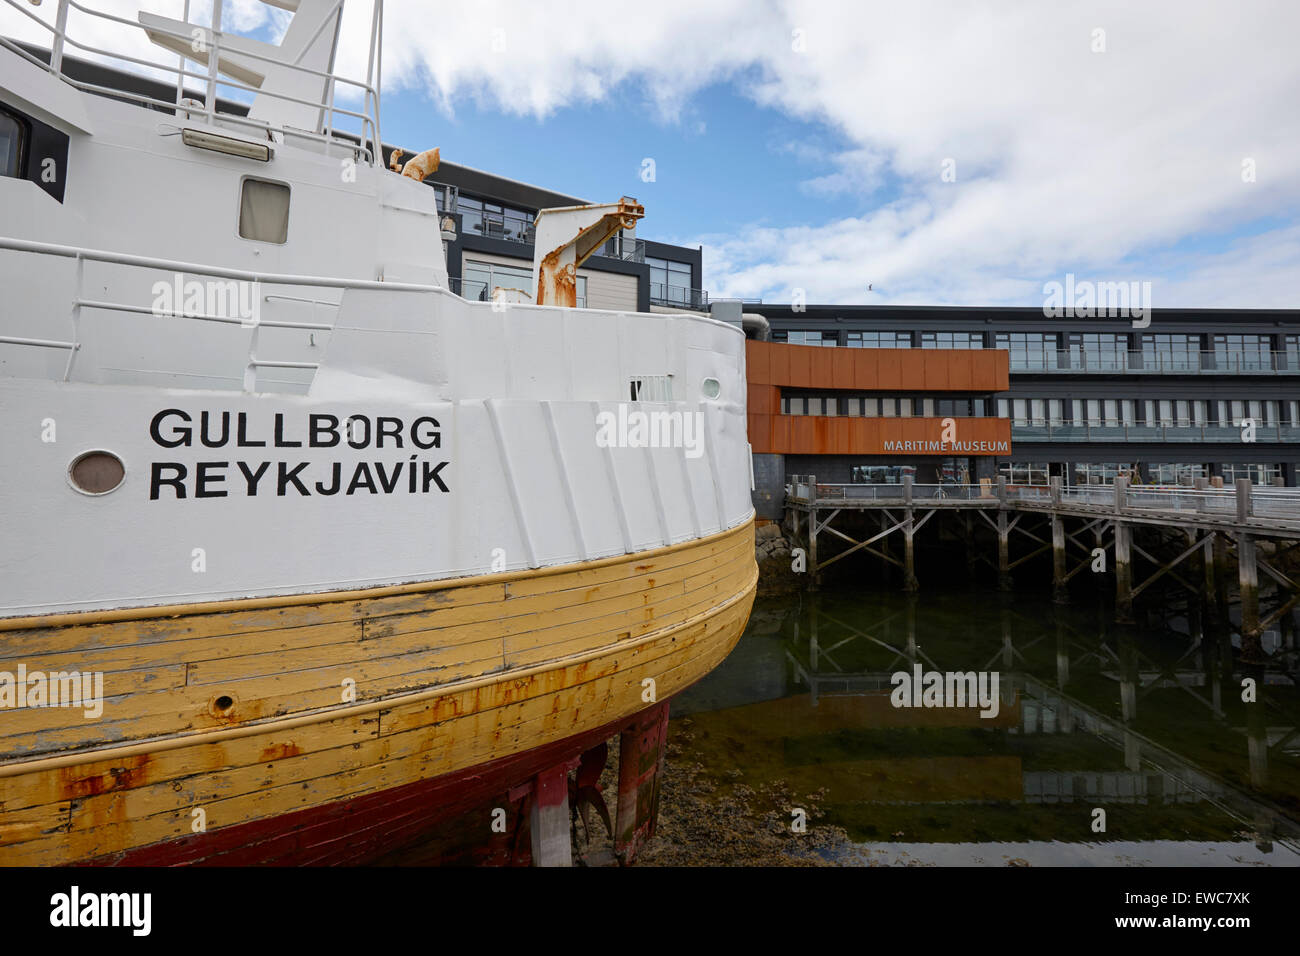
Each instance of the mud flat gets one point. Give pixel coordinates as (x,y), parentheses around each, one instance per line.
(707,817)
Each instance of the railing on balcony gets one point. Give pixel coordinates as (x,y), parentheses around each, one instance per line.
(514,228)
(623,247)
(495,225)
(1074,361)
(677,296)
(1030,430)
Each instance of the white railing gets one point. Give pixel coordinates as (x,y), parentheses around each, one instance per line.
(83,255)
(368,118)
(1245,501)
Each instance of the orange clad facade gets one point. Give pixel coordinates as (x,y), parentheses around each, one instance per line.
(773,366)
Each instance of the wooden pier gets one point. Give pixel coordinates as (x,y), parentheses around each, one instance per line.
(1198,529)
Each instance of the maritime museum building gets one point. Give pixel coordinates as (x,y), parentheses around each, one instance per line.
(1195,393)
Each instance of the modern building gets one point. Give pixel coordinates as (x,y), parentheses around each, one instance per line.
(493,248)
(868,416)
(1194,393)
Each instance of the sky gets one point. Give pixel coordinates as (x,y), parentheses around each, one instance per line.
(957,152)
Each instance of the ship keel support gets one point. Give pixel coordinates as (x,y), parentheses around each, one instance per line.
(548,818)
(642,746)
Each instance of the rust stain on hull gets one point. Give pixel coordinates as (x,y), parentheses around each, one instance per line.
(532,669)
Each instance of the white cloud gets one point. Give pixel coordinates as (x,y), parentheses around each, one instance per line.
(1066,159)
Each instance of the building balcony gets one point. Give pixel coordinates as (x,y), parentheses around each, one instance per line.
(516,229)
(1077,361)
(1040,431)
(678,297)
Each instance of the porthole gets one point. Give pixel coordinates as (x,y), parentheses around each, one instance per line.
(710,388)
(96,472)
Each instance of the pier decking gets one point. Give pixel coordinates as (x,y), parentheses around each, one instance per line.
(1216,523)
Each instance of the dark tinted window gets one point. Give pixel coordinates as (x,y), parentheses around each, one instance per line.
(11,140)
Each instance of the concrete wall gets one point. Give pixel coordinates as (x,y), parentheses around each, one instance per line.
(769,486)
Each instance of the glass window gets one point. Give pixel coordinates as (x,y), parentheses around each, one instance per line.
(1171,353)
(497,221)
(1102,473)
(1029,350)
(11,145)
(481,278)
(1098,350)
(1178,473)
(880,474)
(952,340)
(670,282)
(880,340)
(802,337)
(264,211)
(1242,352)
(1025,473)
(1258,474)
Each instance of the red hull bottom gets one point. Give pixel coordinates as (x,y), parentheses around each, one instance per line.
(405,825)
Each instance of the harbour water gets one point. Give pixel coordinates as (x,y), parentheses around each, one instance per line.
(793,751)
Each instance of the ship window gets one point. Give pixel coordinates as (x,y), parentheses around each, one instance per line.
(264,211)
(11,143)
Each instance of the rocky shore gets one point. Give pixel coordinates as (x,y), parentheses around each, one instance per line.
(774,552)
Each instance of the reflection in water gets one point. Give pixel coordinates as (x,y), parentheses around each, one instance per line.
(1146,726)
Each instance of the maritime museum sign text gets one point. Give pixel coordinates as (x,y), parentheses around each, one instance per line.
(409,473)
(950,446)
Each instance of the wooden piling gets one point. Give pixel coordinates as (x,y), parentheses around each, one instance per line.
(1060,593)
(1004,552)
(910,584)
(1123,573)
(1252,651)
(812,534)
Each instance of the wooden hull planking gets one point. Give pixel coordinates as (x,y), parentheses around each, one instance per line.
(462,689)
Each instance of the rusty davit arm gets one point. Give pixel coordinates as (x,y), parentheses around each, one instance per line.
(565,237)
